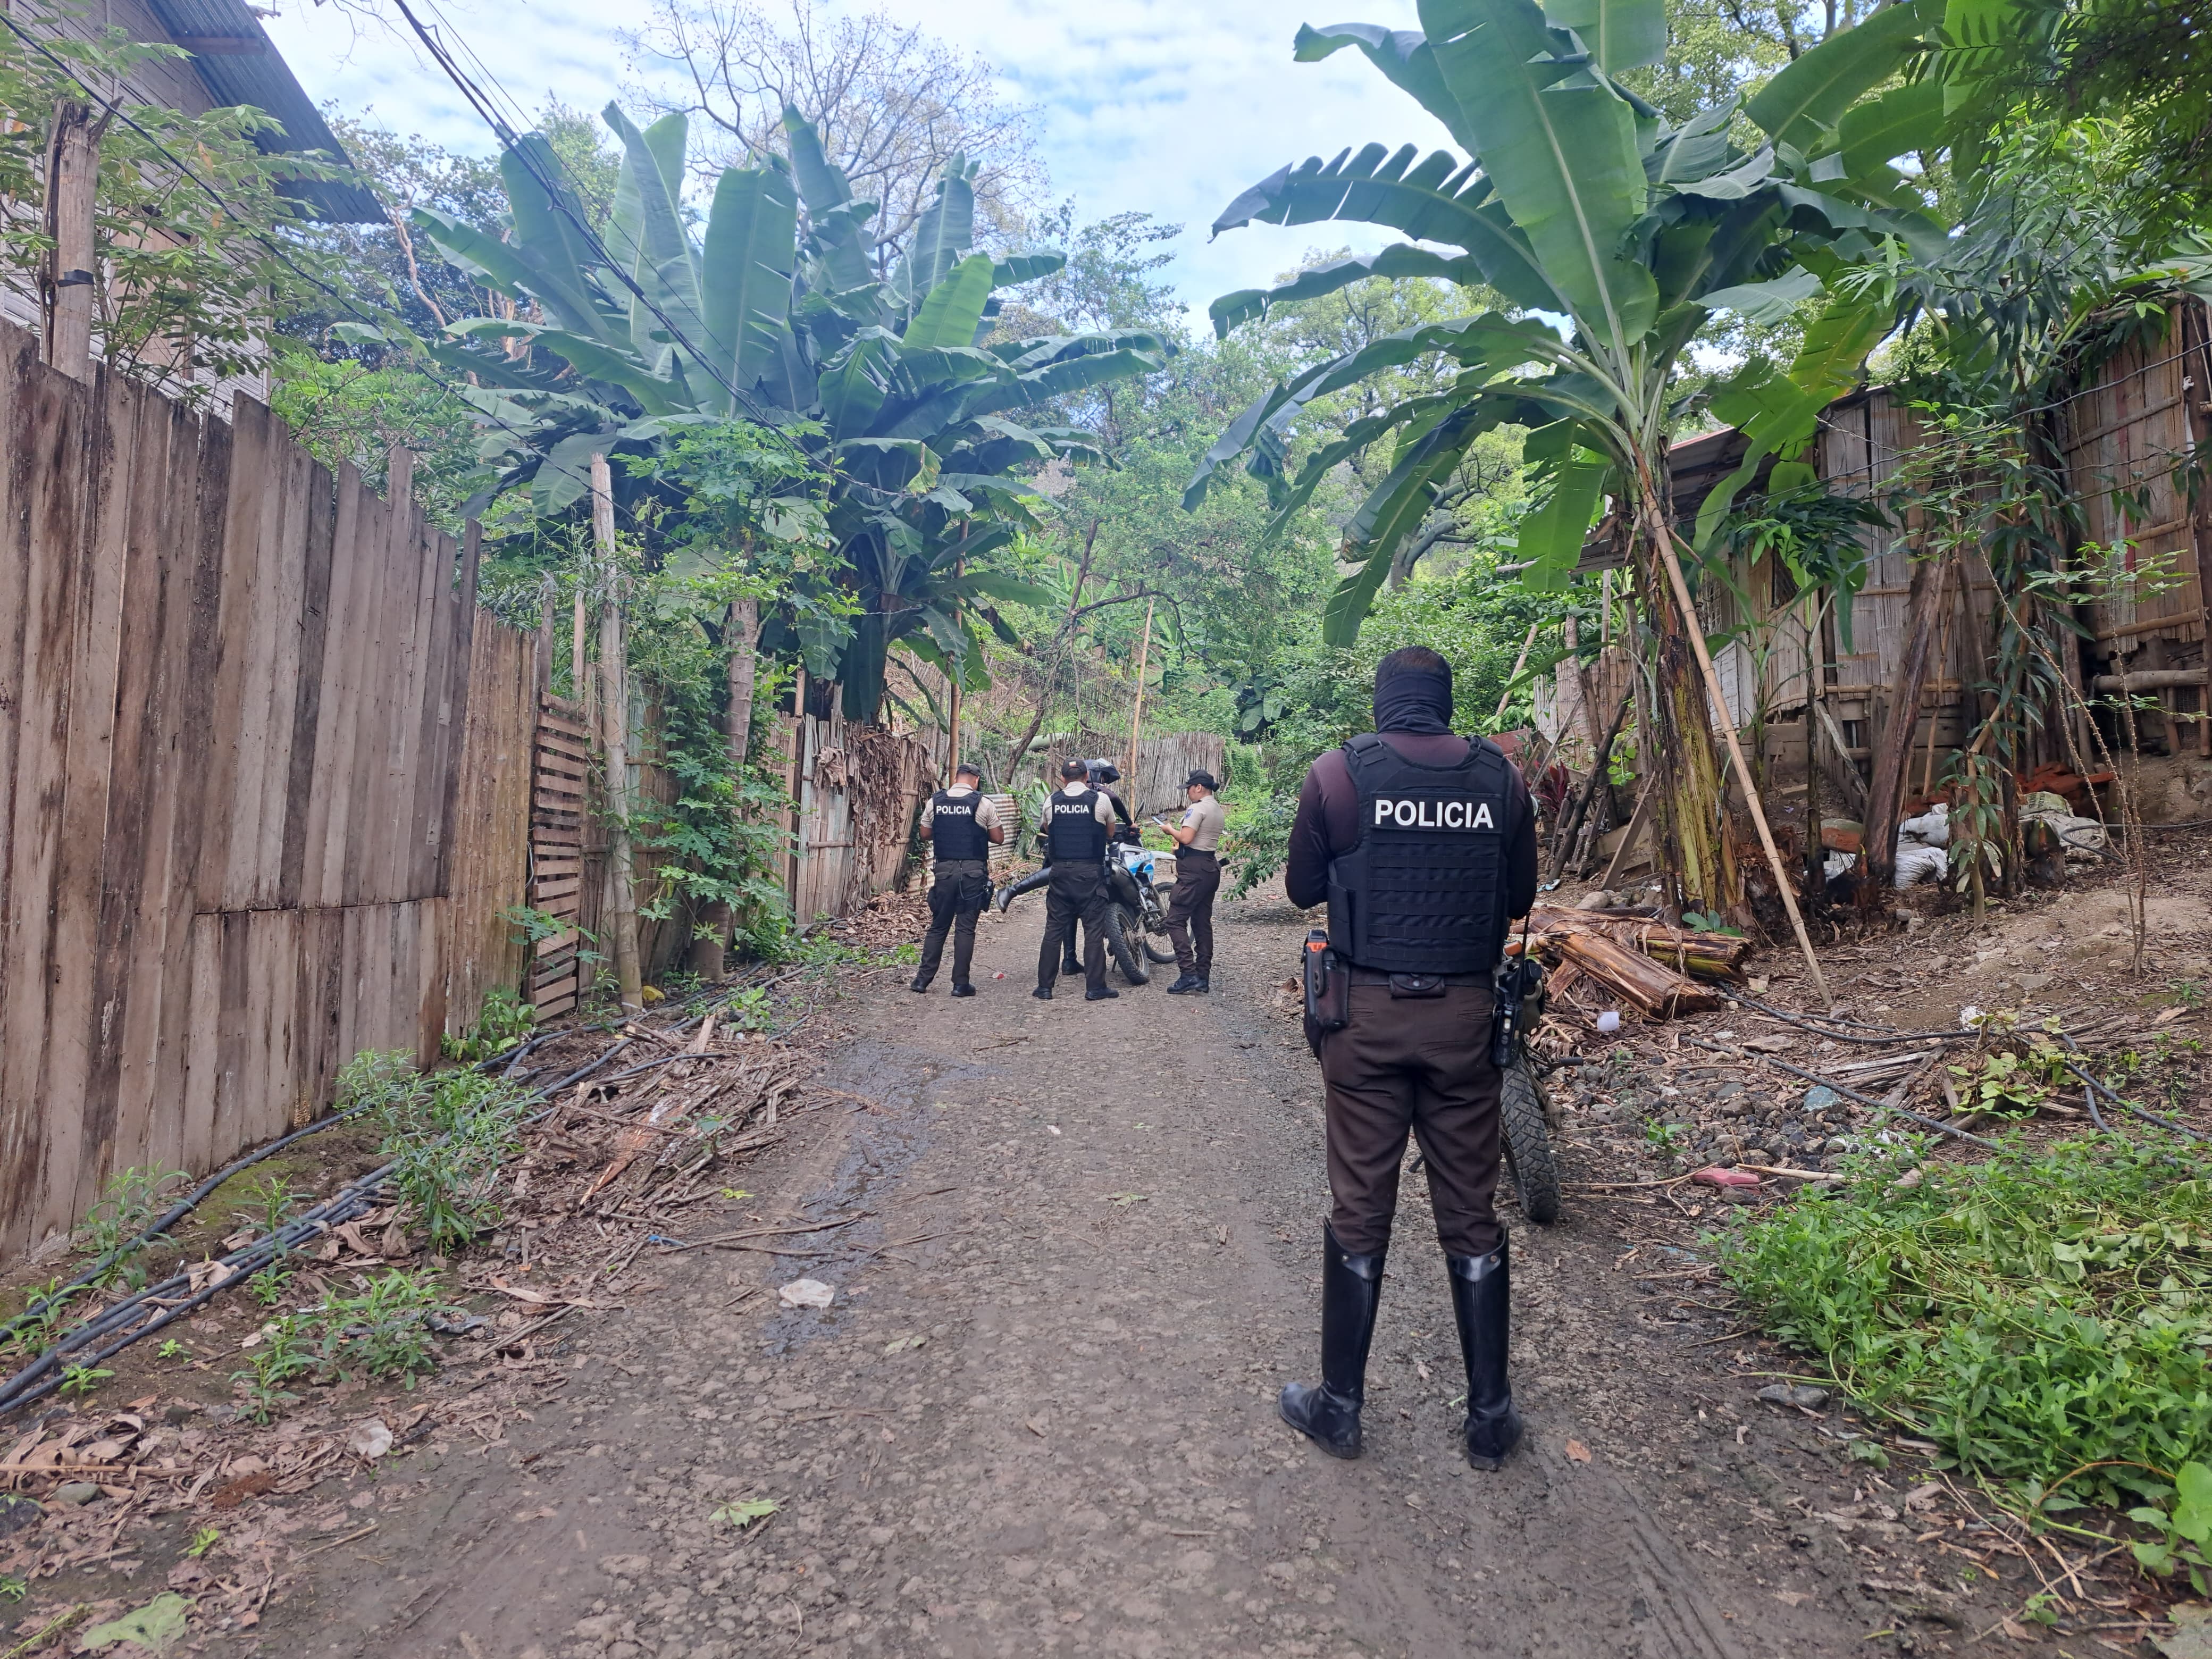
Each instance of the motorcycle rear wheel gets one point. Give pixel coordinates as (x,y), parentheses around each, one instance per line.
(1120,927)
(1528,1145)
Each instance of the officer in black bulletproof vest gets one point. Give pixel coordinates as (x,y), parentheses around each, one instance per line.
(1077,816)
(1424,846)
(963,826)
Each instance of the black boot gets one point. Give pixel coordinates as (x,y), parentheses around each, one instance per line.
(919,984)
(1186,985)
(1351,1292)
(1482,1304)
(961,988)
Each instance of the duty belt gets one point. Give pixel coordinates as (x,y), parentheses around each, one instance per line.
(1370,976)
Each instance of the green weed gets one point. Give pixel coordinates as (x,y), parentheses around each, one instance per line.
(503,1021)
(279,1358)
(13,1590)
(2036,1315)
(270,1202)
(203,1540)
(130,1200)
(447,1137)
(381,1332)
(81,1380)
(45,1312)
(173,1349)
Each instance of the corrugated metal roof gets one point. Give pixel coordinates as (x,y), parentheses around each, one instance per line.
(238,64)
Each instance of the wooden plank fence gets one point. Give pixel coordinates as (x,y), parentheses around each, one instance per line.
(259,754)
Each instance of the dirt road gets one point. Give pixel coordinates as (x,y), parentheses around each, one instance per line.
(1040,1416)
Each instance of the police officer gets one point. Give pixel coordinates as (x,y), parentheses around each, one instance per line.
(964,826)
(1076,821)
(1423,844)
(1198,878)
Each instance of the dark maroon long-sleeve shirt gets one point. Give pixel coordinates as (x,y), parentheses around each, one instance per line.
(1327,822)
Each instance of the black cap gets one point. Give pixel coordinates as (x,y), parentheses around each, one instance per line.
(1203,779)
(968,770)
(1073,770)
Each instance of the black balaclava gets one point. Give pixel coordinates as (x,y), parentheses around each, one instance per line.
(1410,698)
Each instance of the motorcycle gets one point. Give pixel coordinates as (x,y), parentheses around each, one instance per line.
(1136,911)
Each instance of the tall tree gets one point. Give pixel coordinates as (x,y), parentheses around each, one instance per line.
(651,329)
(893,106)
(1573,197)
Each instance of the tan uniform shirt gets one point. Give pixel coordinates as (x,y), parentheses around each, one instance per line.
(1206,817)
(1102,809)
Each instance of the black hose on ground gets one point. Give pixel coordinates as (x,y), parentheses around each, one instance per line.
(50,1370)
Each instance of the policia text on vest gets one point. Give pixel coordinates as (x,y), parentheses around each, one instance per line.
(962,825)
(1076,822)
(1423,844)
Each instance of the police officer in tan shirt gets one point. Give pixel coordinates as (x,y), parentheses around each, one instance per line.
(1198,878)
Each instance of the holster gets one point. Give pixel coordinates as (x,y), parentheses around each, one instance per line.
(1328,990)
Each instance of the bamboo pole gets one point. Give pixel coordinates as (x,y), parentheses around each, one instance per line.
(1664,533)
(614,671)
(1136,714)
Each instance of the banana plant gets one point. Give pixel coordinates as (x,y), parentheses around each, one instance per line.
(1611,234)
(620,336)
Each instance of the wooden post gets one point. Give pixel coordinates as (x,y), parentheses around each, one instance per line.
(67,284)
(1519,662)
(1664,532)
(794,767)
(1137,714)
(1893,745)
(614,701)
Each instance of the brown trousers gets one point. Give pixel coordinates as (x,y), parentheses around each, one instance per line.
(1190,910)
(1421,1065)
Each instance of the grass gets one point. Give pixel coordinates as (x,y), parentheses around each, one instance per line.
(2044,1315)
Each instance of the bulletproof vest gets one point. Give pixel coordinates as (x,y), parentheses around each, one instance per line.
(1424,891)
(1074,834)
(953,829)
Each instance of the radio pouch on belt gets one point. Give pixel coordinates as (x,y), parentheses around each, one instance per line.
(1328,987)
(1422,986)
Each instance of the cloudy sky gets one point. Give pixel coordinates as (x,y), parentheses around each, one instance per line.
(1172,107)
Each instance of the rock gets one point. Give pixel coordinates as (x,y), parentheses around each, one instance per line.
(17,1512)
(598,1627)
(1820,1097)
(76,1493)
(178,1411)
(1801,1394)
(369,1440)
(1728,1091)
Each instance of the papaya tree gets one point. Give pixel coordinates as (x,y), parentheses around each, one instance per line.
(1610,234)
(623,335)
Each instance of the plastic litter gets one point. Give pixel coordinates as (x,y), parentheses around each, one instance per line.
(806,1293)
(1608,1022)
(1717,1177)
(370,1440)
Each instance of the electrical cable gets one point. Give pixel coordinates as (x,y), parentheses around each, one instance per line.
(511,141)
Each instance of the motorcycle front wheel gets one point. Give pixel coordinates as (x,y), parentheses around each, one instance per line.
(1120,928)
